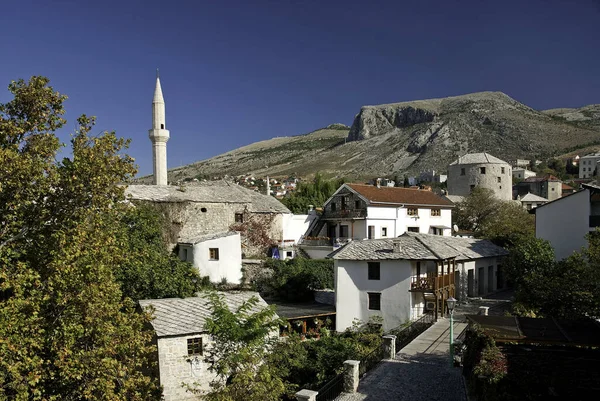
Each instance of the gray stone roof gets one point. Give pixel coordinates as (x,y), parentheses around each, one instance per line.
(533,198)
(183,316)
(206,237)
(478,158)
(414,246)
(455,198)
(208,192)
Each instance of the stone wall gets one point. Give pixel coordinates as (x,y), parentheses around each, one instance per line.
(177,367)
(494,179)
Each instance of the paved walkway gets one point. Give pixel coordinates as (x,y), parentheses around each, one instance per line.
(422,370)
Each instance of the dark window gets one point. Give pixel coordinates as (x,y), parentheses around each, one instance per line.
(213,253)
(357,204)
(162,126)
(374,270)
(333,207)
(413,229)
(412,211)
(384,231)
(289,254)
(472,187)
(502,170)
(371,232)
(194,346)
(436,212)
(345,201)
(482,170)
(462,171)
(239,217)
(374,300)
(499,179)
(344,231)
(203,210)
(418,269)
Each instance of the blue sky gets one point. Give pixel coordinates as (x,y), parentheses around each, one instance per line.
(236,72)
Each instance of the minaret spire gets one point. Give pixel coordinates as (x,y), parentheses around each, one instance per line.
(159,135)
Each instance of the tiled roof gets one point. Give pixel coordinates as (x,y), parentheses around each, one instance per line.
(181,316)
(478,158)
(533,198)
(400,196)
(209,192)
(566,187)
(206,237)
(414,246)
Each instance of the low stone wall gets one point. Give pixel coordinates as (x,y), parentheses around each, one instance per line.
(254,269)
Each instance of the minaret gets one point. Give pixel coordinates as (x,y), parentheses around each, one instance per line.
(159,136)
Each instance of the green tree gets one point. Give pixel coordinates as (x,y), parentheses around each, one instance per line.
(65,330)
(150,270)
(242,340)
(313,193)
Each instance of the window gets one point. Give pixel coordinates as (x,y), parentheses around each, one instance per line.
(289,254)
(436,212)
(213,253)
(462,171)
(162,126)
(239,217)
(384,231)
(412,211)
(194,346)
(418,269)
(333,207)
(502,170)
(344,231)
(374,270)
(481,170)
(345,201)
(374,300)
(185,254)
(471,187)
(370,232)
(553,188)
(499,179)
(203,210)
(357,204)
(413,229)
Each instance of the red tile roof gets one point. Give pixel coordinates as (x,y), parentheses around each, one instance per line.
(401,196)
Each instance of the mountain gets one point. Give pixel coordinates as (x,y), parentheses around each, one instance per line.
(410,137)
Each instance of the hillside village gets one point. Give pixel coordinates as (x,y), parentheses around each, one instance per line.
(458,269)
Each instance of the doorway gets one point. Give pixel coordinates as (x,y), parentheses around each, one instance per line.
(480,282)
(470,282)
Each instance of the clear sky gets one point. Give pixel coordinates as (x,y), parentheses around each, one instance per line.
(236,72)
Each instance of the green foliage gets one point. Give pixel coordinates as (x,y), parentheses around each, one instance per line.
(313,193)
(504,222)
(295,279)
(65,330)
(242,340)
(484,365)
(151,271)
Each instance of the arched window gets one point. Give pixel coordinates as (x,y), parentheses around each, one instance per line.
(162,126)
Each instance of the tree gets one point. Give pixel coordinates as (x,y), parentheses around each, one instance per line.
(313,193)
(150,270)
(65,330)
(242,340)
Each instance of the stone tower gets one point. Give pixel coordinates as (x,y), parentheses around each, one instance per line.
(159,136)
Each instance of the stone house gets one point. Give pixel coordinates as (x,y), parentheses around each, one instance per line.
(480,170)
(531,201)
(564,222)
(549,187)
(522,173)
(399,279)
(182,340)
(218,256)
(588,165)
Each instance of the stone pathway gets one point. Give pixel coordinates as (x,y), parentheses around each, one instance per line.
(422,370)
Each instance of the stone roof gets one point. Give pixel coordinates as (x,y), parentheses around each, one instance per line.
(208,192)
(183,316)
(206,237)
(541,179)
(297,311)
(533,198)
(399,196)
(415,246)
(454,198)
(478,158)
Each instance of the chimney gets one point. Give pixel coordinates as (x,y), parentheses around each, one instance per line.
(378,183)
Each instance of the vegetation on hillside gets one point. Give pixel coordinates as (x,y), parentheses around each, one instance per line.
(314,193)
(66,332)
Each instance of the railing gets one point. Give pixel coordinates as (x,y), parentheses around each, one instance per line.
(317,242)
(332,389)
(345,214)
(371,360)
(405,334)
(431,283)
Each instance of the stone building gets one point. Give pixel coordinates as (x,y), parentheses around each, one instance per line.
(548,187)
(588,165)
(182,340)
(480,170)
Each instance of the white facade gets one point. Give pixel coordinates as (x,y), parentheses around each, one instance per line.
(565,222)
(219,257)
(522,173)
(588,164)
(295,226)
(159,136)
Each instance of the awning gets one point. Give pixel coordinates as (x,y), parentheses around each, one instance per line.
(441,227)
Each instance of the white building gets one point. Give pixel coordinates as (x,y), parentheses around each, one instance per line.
(480,170)
(218,256)
(565,221)
(522,173)
(182,340)
(401,278)
(531,201)
(588,164)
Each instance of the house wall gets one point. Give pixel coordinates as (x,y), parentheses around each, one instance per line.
(587,165)
(229,265)
(474,265)
(352,285)
(564,223)
(176,367)
(461,184)
(295,225)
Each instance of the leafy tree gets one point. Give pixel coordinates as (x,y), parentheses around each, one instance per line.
(313,193)
(242,340)
(65,330)
(150,270)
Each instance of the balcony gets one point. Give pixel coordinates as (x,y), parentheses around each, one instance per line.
(345,214)
(431,283)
